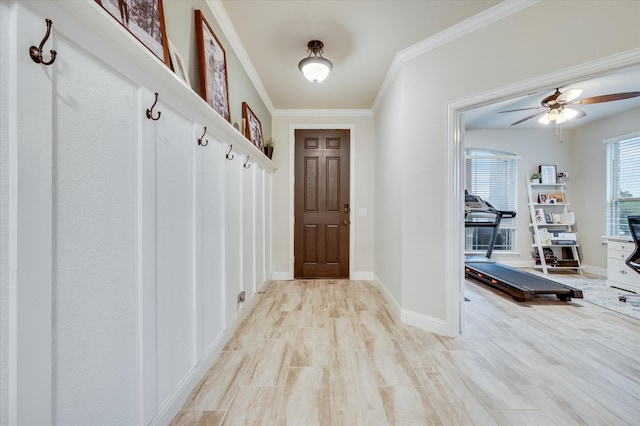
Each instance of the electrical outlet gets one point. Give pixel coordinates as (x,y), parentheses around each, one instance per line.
(241,297)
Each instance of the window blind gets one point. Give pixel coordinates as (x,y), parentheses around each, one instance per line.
(623,184)
(492,175)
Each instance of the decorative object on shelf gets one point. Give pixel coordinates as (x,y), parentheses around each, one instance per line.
(253,127)
(214,86)
(144,20)
(268,148)
(200,142)
(315,68)
(150,110)
(178,64)
(548,174)
(229,154)
(535,178)
(36,52)
(557,196)
(246,164)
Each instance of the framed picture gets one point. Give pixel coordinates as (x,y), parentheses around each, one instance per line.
(212,59)
(558,197)
(145,21)
(548,174)
(542,198)
(178,64)
(253,127)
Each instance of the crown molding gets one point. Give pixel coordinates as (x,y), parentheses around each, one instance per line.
(461,29)
(322,113)
(230,33)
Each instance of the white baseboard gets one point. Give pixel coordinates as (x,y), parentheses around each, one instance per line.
(362,276)
(170,408)
(395,306)
(424,322)
(595,270)
(281,276)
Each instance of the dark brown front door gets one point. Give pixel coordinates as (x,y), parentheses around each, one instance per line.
(321,237)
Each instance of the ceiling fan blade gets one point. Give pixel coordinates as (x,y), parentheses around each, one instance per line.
(569,95)
(519,109)
(607,98)
(529,117)
(573,113)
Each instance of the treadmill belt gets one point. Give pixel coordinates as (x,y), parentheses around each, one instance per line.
(519,284)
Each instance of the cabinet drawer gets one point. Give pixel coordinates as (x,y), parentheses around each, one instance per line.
(622,246)
(618,271)
(617,254)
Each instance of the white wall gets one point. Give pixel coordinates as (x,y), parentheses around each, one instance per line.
(362,194)
(588,178)
(390,193)
(506,52)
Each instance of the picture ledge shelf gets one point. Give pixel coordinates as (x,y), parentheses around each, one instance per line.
(88,21)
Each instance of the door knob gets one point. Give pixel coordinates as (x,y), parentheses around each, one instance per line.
(346,222)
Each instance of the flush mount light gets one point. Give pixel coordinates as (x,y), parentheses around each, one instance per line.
(315,68)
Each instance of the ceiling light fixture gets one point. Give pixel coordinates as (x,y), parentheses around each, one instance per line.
(315,68)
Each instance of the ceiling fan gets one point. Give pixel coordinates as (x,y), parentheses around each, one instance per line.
(557,107)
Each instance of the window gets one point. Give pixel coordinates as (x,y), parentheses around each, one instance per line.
(623,182)
(492,175)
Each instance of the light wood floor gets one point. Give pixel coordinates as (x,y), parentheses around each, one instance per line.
(331,353)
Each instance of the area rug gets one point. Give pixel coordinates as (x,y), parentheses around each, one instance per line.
(594,290)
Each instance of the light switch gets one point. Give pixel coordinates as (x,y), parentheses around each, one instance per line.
(362,212)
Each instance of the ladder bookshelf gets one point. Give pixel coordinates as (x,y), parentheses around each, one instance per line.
(555,243)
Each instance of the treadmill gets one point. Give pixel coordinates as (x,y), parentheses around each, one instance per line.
(520,285)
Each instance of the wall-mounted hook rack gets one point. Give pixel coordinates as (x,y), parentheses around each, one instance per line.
(229,154)
(150,111)
(200,142)
(36,52)
(246,164)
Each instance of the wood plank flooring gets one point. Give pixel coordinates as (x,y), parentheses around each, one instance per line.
(329,352)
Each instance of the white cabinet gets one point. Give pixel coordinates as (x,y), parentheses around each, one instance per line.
(555,242)
(618,273)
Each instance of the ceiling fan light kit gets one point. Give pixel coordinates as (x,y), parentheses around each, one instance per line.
(557,105)
(315,68)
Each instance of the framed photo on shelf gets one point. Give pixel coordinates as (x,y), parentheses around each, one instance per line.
(178,64)
(558,197)
(542,198)
(145,21)
(253,127)
(548,174)
(212,60)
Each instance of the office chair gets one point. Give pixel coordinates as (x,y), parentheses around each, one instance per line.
(633,261)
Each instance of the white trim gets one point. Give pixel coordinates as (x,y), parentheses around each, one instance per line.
(180,394)
(232,36)
(621,138)
(362,276)
(395,305)
(454,228)
(281,276)
(352,188)
(322,113)
(434,325)
(487,17)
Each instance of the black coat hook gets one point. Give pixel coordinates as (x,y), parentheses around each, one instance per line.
(246,164)
(205,143)
(229,154)
(150,111)
(36,52)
